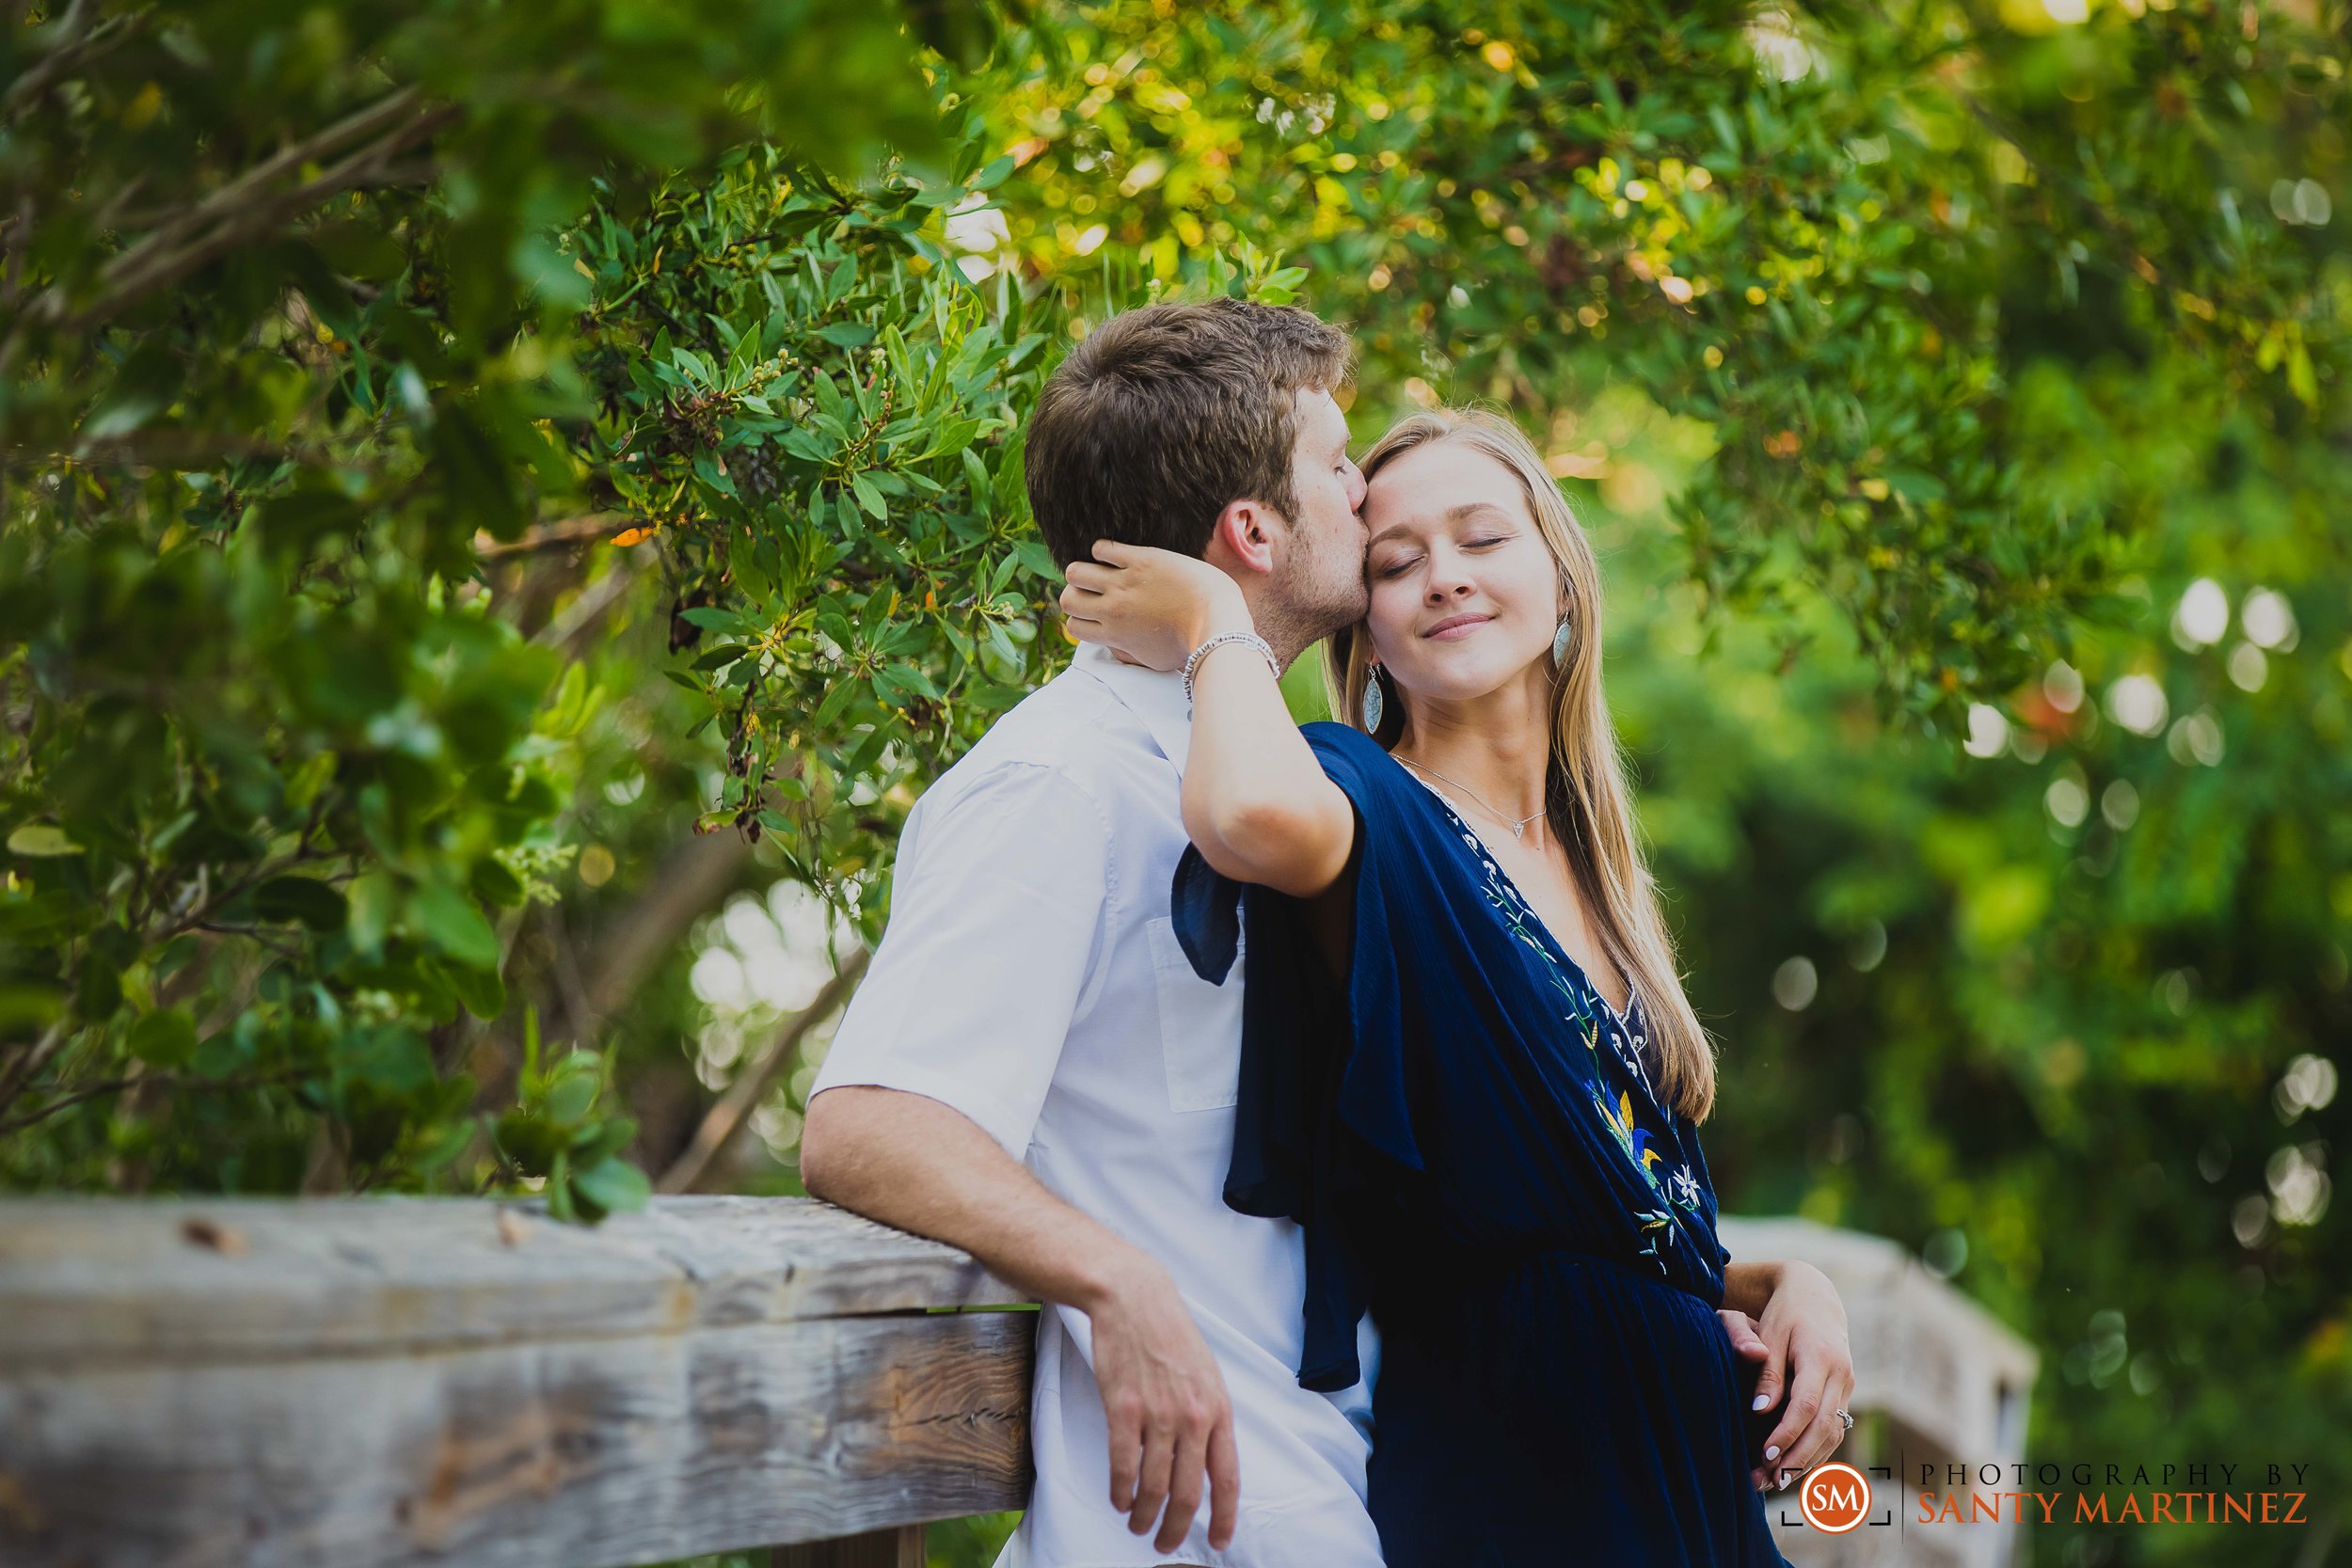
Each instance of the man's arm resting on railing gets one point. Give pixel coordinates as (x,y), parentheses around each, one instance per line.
(914,1162)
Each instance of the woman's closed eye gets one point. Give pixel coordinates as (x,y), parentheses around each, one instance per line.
(1398,568)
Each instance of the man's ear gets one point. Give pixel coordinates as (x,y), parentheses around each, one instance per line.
(1242,543)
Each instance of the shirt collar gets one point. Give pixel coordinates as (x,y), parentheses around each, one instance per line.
(1155,696)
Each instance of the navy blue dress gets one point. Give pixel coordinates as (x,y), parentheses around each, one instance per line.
(1467,1134)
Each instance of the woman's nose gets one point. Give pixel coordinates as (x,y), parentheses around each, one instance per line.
(1447,581)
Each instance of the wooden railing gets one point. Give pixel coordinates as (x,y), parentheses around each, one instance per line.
(365,1382)
(380,1383)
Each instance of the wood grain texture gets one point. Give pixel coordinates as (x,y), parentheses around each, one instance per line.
(587,1453)
(381,1383)
(108,1282)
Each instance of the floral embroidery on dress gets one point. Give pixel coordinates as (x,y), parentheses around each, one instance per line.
(1590,1017)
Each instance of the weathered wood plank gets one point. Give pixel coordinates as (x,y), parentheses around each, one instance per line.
(107,1282)
(558,1454)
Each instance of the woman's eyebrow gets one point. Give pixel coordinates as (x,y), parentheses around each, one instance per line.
(1468,510)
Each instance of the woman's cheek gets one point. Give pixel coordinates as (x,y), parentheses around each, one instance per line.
(1391,625)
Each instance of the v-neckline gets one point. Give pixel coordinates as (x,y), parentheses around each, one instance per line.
(1632,999)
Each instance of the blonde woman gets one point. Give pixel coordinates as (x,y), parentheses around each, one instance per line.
(1469,1068)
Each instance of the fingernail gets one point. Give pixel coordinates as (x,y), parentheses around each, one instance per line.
(1761,1401)
(1772,1452)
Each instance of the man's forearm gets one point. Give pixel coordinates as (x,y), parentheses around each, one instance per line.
(1747,1287)
(911,1162)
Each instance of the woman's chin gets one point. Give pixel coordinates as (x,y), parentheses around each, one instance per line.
(1457,685)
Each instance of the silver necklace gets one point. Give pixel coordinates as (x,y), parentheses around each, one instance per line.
(1519,829)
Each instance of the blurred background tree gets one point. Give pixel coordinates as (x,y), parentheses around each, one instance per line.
(504,511)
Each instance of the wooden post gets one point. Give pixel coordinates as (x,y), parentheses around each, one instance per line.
(884,1548)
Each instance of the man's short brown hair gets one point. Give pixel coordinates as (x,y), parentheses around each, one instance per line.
(1164,415)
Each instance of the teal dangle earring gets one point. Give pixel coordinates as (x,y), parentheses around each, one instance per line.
(1560,641)
(1373,708)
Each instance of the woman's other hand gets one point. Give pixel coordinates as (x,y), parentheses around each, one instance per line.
(1151,605)
(1804,1328)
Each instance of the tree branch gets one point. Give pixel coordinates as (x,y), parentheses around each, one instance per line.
(550,536)
(165,1081)
(22,1071)
(245,208)
(690,878)
(726,1119)
(79,40)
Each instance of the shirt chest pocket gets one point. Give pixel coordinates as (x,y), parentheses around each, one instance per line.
(1200,1025)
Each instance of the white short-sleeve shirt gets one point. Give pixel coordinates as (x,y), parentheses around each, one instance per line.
(1030,978)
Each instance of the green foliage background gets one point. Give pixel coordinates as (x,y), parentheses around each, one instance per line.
(505,509)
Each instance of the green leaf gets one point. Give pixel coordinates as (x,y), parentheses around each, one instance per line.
(869,497)
(571,1098)
(451,922)
(318,905)
(164,1039)
(1038,559)
(726,653)
(613,1185)
(373,899)
(40,839)
(1914,485)
(493,883)
(475,481)
(482,991)
(28,1005)
(392,1058)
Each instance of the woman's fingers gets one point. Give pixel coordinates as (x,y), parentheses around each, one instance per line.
(1084,578)
(1115,552)
(1739,1329)
(1800,1440)
(1804,1402)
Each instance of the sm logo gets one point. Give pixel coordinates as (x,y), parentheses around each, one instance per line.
(1834,1497)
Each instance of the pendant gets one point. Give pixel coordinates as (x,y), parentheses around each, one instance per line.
(1519,833)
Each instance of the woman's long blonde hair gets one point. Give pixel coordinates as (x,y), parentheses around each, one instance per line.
(1586,797)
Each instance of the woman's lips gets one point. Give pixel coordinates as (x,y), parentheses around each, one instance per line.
(1455,627)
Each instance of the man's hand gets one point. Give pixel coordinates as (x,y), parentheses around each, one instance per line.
(1170,1420)
(1804,1330)
(911,1162)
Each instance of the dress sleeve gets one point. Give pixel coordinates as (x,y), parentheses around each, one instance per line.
(994,920)
(1325,1111)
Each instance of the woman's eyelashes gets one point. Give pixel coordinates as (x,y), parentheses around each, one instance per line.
(1397,569)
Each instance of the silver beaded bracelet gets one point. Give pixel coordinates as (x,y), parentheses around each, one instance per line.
(1202,652)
